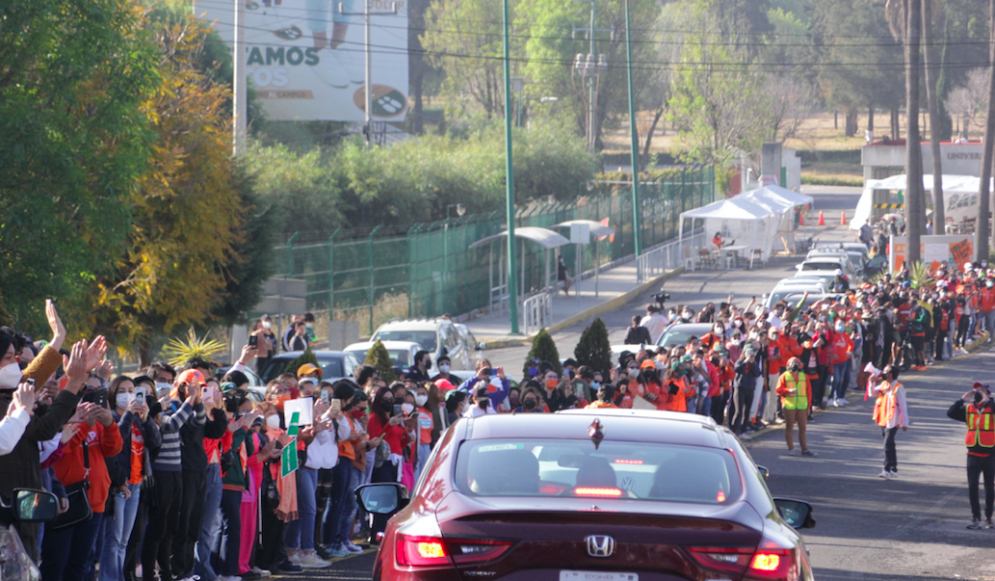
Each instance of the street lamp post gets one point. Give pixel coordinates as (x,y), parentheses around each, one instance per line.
(460,210)
(636,210)
(509,183)
(590,71)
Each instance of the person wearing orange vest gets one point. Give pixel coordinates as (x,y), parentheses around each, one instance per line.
(796,393)
(975,410)
(891,413)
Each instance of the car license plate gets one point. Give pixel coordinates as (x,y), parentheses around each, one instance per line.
(597,576)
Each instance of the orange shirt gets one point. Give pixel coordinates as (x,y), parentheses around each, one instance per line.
(101,443)
(600,405)
(137,455)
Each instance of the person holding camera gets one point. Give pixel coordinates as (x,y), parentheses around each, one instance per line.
(386,422)
(975,409)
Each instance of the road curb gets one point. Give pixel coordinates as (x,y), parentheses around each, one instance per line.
(978,345)
(601,309)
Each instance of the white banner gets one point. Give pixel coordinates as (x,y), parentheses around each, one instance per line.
(305,58)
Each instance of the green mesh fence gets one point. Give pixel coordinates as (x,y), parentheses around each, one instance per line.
(430,270)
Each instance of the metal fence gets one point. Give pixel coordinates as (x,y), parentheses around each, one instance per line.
(429,270)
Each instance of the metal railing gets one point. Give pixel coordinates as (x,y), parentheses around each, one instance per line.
(666,256)
(537,312)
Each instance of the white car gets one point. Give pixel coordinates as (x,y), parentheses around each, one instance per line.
(437,336)
(826,267)
(796,286)
(857,259)
(402,353)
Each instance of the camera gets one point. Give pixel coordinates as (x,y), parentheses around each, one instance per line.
(661,297)
(233,401)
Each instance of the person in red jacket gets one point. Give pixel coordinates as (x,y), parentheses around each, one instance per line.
(840,347)
(987,299)
(779,350)
(67,552)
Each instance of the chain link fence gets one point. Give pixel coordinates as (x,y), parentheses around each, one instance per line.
(429,269)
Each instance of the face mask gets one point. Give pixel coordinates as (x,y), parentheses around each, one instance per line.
(357,413)
(273,422)
(280,399)
(839,328)
(718,330)
(552,383)
(735,342)
(533,371)
(421,400)
(737,324)
(124,400)
(686,315)
(530,404)
(595,385)
(163,388)
(267,325)
(989,284)
(387,405)
(753,336)
(633,372)
(794,367)
(407,408)
(10,376)
(307,325)
(444,368)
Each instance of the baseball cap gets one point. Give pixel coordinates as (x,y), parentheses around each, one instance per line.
(979,385)
(190,377)
(308,369)
(444,384)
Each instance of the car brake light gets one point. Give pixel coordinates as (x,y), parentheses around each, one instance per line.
(466,551)
(600,492)
(627,461)
(774,565)
(552,489)
(421,551)
(732,559)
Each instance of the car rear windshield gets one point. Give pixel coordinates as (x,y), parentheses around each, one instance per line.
(329,368)
(820,266)
(621,470)
(424,338)
(671,338)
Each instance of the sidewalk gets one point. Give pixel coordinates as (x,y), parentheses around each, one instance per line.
(617,287)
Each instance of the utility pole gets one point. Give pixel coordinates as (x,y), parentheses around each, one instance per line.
(509,179)
(636,210)
(239,105)
(914,198)
(368,90)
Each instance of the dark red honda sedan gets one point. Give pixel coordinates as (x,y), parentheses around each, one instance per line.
(589,495)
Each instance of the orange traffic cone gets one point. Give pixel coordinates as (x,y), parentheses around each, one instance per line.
(822,219)
(843,218)
(801,218)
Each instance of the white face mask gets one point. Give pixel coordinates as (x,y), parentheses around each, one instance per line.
(407,408)
(273,422)
(267,325)
(163,388)
(124,400)
(421,400)
(10,376)
(444,368)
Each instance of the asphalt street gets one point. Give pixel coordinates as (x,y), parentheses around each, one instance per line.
(869,529)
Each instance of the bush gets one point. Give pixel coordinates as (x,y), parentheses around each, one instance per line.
(543,349)
(378,357)
(306,357)
(593,349)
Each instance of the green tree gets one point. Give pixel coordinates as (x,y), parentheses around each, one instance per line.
(543,349)
(73,78)
(593,349)
(378,357)
(307,356)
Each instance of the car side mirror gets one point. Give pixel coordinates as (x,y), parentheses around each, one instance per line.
(763,471)
(35,505)
(796,513)
(382,498)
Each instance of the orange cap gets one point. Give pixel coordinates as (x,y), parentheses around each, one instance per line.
(190,377)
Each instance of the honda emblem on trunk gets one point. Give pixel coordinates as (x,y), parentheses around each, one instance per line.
(600,545)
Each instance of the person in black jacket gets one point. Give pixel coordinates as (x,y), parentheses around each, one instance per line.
(744,388)
(637,335)
(980,451)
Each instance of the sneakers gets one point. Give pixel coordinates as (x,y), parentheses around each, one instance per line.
(261,572)
(250,576)
(231,578)
(835,402)
(809,453)
(353,548)
(893,474)
(288,567)
(313,561)
(745,436)
(333,552)
(884,474)
(975,525)
(792,452)
(294,557)
(989,524)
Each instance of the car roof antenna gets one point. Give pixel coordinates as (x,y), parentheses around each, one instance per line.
(597,432)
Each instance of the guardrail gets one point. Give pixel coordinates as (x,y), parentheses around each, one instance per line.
(666,256)
(537,313)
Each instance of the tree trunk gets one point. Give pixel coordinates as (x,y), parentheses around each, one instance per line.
(896,130)
(929,55)
(836,119)
(850,123)
(870,118)
(943,79)
(986,159)
(914,199)
(649,138)
(144,353)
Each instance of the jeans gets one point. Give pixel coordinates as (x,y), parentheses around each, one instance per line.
(231,506)
(66,552)
(348,511)
(705,409)
(835,391)
(300,533)
(116,531)
(164,513)
(890,454)
(210,528)
(424,451)
(333,515)
(976,466)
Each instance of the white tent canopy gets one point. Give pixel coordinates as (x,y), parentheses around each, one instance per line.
(960,196)
(775,195)
(951,183)
(750,222)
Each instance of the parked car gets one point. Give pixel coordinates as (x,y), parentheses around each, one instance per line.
(651,496)
(402,353)
(857,259)
(826,267)
(437,336)
(784,289)
(334,365)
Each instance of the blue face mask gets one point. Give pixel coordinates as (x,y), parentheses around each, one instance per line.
(533,371)
(595,384)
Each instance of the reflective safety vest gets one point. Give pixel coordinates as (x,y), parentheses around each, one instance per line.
(886,404)
(799,401)
(980,427)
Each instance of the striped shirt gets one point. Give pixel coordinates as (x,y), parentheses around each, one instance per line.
(170,457)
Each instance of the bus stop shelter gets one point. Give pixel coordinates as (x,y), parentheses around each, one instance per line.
(546,238)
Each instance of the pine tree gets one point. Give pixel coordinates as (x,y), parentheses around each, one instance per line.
(543,349)
(306,357)
(378,357)
(593,349)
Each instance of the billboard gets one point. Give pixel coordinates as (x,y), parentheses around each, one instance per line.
(305,58)
(952,249)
